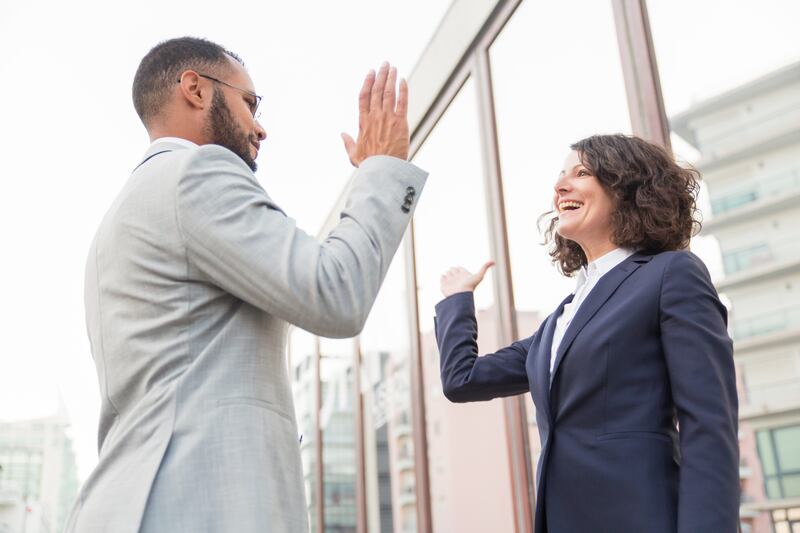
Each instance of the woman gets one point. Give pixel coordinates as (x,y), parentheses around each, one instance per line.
(639,351)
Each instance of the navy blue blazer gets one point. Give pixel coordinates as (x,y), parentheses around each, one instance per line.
(647,349)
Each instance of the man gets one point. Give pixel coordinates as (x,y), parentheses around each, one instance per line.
(191,282)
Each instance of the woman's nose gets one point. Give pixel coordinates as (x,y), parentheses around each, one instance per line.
(561,185)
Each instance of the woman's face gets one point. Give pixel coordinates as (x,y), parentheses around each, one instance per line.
(584,207)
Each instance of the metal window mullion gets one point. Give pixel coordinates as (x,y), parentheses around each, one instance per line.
(455,82)
(358,429)
(319,485)
(778,470)
(419,431)
(522,487)
(640,71)
(418,410)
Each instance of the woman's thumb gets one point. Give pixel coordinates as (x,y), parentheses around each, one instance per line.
(484,269)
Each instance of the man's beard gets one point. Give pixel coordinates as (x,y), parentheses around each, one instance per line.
(225,132)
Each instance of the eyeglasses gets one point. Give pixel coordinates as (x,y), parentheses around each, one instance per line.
(253,106)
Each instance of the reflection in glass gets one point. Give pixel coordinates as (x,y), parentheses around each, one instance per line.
(780,456)
(337,422)
(302,368)
(386,393)
(787,445)
(557,98)
(451,228)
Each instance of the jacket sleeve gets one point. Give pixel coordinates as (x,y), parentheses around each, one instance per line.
(465,376)
(240,241)
(699,358)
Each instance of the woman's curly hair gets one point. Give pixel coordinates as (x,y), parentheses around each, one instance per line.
(654,198)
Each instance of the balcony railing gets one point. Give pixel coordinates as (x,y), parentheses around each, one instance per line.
(776,393)
(763,186)
(743,133)
(743,259)
(766,323)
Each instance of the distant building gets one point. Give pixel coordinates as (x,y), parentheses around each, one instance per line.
(38,475)
(17,516)
(337,419)
(389,446)
(452,465)
(749,141)
(303,391)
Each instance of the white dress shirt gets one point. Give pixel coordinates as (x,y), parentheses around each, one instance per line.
(586,279)
(175,140)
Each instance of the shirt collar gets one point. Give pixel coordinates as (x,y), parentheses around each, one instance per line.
(608,261)
(600,266)
(174,140)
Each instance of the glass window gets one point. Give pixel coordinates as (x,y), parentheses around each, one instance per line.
(787,445)
(451,229)
(773,488)
(791,486)
(548,95)
(779,449)
(302,367)
(386,394)
(337,422)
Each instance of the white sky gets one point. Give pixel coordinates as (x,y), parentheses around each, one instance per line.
(70,137)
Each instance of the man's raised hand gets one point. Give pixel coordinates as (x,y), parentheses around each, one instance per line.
(382,118)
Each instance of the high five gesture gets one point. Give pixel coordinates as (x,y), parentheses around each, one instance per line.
(382,118)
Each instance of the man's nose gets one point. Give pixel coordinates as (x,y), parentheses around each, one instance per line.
(260,131)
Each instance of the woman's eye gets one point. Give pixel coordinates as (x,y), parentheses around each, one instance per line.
(583,173)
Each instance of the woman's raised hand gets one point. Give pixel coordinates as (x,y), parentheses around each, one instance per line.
(459,279)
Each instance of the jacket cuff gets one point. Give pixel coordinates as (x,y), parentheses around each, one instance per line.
(460,301)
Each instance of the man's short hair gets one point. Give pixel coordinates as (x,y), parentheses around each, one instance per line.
(160,69)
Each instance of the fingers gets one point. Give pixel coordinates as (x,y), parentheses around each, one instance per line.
(456,271)
(402,99)
(381,130)
(388,91)
(485,268)
(349,146)
(464,273)
(376,98)
(364,95)
(348,142)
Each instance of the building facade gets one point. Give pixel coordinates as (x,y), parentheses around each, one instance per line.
(749,143)
(38,475)
(502,90)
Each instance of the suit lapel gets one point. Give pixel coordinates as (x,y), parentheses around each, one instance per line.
(594,301)
(542,374)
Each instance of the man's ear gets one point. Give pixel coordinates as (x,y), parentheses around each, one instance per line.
(195,93)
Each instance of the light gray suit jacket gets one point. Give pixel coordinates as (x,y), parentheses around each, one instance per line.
(191,281)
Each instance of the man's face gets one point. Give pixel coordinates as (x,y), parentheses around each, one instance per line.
(230,120)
